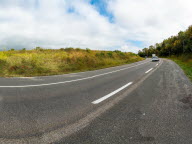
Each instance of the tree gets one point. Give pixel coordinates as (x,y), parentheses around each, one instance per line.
(174,45)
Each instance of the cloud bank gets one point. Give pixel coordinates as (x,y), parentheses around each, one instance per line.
(127,25)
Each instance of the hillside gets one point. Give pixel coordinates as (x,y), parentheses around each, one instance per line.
(39,62)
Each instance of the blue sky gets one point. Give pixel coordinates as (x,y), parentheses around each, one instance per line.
(125,25)
(101,7)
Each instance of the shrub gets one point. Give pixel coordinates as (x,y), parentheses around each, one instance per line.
(117,51)
(110,54)
(62,49)
(69,49)
(39,49)
(88,50)
(101,54)
(78,49)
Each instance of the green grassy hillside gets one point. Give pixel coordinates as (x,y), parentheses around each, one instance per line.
(40,61)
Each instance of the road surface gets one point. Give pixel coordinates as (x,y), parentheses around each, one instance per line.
(143,102)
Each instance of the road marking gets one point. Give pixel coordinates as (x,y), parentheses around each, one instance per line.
(63,82)
(149,70)
(157,64)
(111,94)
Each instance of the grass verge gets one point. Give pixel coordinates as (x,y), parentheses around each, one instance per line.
(185,62)
(43,62)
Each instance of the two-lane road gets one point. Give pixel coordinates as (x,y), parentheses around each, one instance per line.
(31,107)
(54,108)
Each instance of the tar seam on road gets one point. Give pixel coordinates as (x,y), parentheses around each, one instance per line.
(111,94)
(48,84)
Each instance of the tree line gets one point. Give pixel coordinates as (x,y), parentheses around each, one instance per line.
(175,45)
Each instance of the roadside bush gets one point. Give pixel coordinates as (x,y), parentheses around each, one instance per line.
(78,49)
(88,50)
(110,54)
(69,49)
(100,55)
(39,49)
(62,49)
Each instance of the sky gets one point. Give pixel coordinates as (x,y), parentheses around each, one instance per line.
(126,25)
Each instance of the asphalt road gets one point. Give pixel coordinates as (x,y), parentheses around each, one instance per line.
(143,102)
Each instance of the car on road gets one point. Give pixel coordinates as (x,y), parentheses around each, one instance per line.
(155,58)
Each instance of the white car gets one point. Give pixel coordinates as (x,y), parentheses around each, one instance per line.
(155,58)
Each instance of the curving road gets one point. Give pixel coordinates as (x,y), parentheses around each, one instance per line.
(85,107)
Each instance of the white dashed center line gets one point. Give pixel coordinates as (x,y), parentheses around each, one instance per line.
(111,94)
(149,70)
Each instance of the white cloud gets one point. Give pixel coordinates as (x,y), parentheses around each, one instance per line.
(152,21)
(49,24)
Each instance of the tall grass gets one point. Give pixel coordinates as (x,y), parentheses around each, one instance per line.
(185,62)
(40,61)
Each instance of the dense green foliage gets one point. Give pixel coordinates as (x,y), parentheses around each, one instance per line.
(175,45)
(50,62)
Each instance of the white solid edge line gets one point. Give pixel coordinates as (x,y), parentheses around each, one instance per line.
(39,85)
(111,94)
(149,70)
